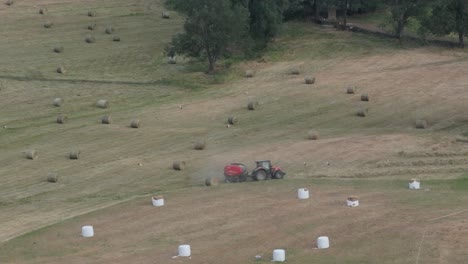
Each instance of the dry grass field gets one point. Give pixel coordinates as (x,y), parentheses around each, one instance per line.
(120,168)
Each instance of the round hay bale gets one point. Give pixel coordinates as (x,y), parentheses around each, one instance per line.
(135,123)
(52,177)
(92,27)
(31,154)
(48,24)
(116,38)
(178,165)
(232,120)
(365,97)
(61,69)
(172,60)
(90,39)
(249,73)
(109,30)
(106,120)
(350,89)
(362,112)
(101,103)
(313,135)
(57,102)
(252,105)
(9,2)
(294,71)
(91,13)
(166,15)
(309,80)
(421,124)
(58,49)
(43,11)
(74,154)
(211,181)
(61,119)
(200,144)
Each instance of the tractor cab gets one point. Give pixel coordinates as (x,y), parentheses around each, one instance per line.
(264,164)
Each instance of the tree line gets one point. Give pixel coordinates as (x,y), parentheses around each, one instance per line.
(217,28)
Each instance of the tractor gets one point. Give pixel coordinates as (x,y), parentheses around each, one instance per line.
(237,172)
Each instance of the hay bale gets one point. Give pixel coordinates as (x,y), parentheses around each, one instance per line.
(362,112)
(61,119)
(200,144)
(92,27)
(74,154)
(421,124)
(90,39)
(9,2)
(109,30)
(294,71)
(57,102)
(309,80)
(135,123)
(158,197)
(52,177)
(252,105)
(48,24)
(116,38)
(313,135)
(365,97)
(58,49)
(350,89)
(249,73)
(232,120)
(172,60)
(92,13)
(31,154)
(43,11)
(211,181)
(166,15)
(60,69)
(106,120)
(101,103)
(178,165)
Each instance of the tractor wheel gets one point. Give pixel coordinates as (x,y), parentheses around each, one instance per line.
(278,175)
(260,175)
(232,179)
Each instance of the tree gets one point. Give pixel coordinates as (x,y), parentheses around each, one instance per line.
(446,17)
(265,18)
(211,28)
(401,11)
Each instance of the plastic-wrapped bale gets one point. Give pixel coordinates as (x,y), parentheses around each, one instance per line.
(135,123)
(57,102)
(101,103)
(31,154)
(106,120)
(74,154)
(52,177)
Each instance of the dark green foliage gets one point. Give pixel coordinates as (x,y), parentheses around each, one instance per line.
(265,19)
(211,29)
(401,11)
(446,17)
